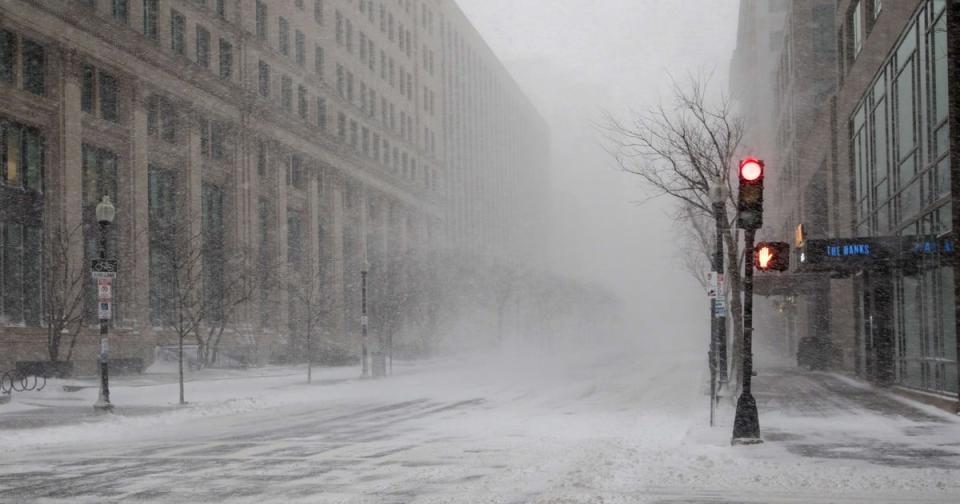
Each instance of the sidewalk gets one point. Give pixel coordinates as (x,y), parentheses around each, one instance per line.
(70,401)
(830,416)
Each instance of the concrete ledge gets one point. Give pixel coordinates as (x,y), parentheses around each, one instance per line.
(946,403)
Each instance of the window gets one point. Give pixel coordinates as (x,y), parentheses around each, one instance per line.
(108,97)
(33,67)
(284,34)
(161,118)
(213,250)
(354,134)
(261,158)
(349,36)
(318,11)
(342,126)
(178,26)
(20,277)
(121,11)
(322,114)
(300,47)
(8,56)
(294,242)
(88,89)
(264,79)
(341,81)
(261,20)
(203,47)
(339,28)
(372,63)
(302,102)
(856,28)
(226,59)
(150,19)
(318,58)
(363,47)
(296,175)
(221,8)
(350,87)
(286,93)
(161,215)
(218,140)
(21,156)
(299,4)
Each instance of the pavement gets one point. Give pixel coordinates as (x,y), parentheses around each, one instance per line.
(600,429)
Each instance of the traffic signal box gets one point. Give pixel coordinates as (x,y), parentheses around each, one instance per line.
(750,201)
(771,256)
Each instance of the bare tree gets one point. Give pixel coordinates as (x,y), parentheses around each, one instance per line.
(184,307)
(240,281)
(63,295)
(314,309)
(680,149)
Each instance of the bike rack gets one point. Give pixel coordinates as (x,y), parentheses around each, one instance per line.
(14,381)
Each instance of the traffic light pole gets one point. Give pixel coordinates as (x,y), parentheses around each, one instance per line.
(746,424)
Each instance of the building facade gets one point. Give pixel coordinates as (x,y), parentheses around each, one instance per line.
(872,166)
(300,137)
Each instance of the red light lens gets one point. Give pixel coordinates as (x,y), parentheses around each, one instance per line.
(751,170)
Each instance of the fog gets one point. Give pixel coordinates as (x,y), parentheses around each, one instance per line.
(576,59)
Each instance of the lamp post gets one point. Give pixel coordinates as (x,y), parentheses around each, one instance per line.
(364,269)
(105,213)
(718,318)
(719,193)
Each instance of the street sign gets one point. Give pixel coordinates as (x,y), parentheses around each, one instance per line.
(104,291)
(104,310)
(720,307)
(104,268)
(715,284)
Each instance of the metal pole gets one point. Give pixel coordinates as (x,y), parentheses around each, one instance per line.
(721,322)
(746,424)
(103,401)
(363,320)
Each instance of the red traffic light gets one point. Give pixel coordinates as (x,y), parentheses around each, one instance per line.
(751,169)
(771,256)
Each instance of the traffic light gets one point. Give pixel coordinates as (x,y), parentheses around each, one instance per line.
(771,256)
(750,201)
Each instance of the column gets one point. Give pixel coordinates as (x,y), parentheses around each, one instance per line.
(138,295)
(71,139)
(336,257)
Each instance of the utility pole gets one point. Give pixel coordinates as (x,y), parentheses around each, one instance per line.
(718,318)
(363,316)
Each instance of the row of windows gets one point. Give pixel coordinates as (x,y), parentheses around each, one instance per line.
(30,74)
(898,146)
(371,145)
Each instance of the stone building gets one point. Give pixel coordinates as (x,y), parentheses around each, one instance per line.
(310,136)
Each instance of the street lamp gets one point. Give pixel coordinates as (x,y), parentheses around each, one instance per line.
(105,213)
(364,269)
(719,192)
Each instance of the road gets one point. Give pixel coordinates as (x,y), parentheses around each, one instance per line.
(591,429)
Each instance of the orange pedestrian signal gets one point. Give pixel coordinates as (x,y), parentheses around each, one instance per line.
(771,256)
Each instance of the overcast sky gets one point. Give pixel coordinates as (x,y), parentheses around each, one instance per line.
(575,58)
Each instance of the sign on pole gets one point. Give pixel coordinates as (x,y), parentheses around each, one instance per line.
(104,311)
(104,289)
(104,268)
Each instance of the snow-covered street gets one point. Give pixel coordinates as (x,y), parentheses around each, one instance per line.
(590,429)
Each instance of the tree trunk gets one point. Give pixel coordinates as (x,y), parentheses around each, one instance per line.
(735,281)
(180,362)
